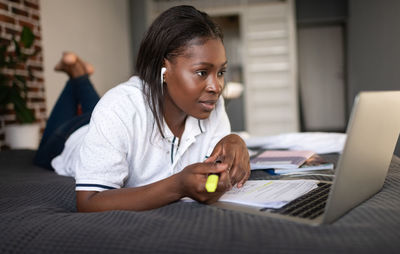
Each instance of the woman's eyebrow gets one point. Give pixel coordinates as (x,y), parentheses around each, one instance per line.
(210,64)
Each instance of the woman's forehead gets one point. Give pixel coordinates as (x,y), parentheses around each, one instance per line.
(210,50)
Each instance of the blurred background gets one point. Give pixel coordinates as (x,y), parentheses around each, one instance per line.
(294,65)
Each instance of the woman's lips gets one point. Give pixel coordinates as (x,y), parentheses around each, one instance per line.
(208,105)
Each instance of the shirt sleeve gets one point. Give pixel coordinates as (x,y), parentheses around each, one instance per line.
(222,126)
(102,162)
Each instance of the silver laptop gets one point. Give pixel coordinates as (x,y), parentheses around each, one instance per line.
(372,134)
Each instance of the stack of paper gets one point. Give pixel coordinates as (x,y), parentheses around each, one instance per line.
(288,161)
(269,193)
(319,142)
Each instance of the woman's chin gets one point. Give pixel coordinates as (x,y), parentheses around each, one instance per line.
(203,115)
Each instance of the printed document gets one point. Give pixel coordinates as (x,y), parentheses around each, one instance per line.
(280,159)
(269,193)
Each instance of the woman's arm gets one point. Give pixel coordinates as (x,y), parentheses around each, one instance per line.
(232,150)
(190,182)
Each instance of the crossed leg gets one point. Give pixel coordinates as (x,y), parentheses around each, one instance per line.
(64,118)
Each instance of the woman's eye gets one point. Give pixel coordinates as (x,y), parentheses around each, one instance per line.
(201,73)
(221,73)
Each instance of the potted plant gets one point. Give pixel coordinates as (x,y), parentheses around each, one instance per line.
(13,90)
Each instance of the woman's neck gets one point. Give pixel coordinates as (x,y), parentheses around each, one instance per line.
(174,117)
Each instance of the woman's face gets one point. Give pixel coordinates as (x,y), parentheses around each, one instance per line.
(195,79)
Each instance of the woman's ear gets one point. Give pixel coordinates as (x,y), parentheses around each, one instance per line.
(165,68)
(167,64)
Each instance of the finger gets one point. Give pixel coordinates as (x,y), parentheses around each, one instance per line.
(244,179)
(234,168)
(242,172)
(216,153)
(236,174)
(209,159)
(224,183)
(228,158)
(210,168)
(230,161)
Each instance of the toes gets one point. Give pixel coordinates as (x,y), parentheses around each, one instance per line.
(71,64)
(89,68)
(69,58)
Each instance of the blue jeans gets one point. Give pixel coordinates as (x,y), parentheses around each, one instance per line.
(64,120)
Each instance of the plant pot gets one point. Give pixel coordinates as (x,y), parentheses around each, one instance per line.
(22,136)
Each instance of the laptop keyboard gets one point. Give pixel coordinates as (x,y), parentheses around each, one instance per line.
(309,206)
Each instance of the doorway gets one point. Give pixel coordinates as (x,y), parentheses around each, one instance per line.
(233,46)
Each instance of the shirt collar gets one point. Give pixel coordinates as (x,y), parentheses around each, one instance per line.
(193,128)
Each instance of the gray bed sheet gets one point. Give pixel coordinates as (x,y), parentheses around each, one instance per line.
(38,215)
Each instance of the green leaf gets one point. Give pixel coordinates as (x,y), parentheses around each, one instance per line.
(16,93)
(21,79)
(22,90)
(3,51)
(4,95)
(17,47)
(23,57)
(22,112)
(11,63)
(27,37)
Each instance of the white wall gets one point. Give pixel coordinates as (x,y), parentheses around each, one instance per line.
(373,46)
(321,76)
(97,30)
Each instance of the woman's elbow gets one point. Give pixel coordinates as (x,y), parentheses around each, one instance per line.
(84,202)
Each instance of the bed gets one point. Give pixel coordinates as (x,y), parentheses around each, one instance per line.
(38,215)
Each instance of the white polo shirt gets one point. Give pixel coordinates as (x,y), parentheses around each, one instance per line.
(122,146)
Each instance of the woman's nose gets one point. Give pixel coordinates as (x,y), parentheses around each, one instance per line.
(215,85)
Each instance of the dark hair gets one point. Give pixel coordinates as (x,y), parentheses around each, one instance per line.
(167,38)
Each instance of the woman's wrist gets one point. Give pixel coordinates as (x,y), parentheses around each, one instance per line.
(177,186)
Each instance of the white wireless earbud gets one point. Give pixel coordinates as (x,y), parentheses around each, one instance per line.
(163,69)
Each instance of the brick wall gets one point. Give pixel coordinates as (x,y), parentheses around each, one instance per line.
(14,14)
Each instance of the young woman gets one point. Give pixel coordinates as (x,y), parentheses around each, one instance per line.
(155,138)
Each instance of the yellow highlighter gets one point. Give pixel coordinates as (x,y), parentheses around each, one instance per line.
(212,181)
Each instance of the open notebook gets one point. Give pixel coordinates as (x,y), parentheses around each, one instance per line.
(372,133)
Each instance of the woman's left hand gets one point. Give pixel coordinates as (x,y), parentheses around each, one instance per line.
(232,150)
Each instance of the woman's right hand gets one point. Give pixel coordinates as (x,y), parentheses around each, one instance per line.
(193,180)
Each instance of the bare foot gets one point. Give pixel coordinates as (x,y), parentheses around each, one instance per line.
(89,68)
(73,66)
(67,59)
